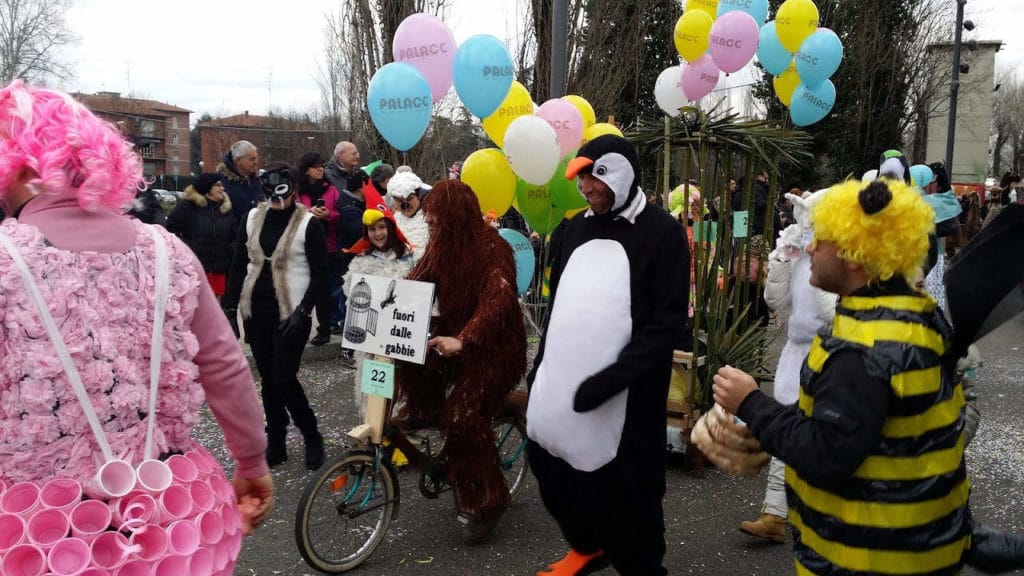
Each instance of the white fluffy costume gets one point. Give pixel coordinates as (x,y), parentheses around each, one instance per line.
(400,187)
(789,287)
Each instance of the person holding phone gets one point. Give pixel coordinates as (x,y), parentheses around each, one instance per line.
(321,197)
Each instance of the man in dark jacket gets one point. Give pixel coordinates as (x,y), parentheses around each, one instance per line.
(341,165)
(238,170)
(351,205)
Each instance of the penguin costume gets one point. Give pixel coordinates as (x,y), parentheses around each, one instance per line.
(596,416)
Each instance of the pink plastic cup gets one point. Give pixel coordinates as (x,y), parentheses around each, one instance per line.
(24,560)
(116,478)
(89,519)
(202,496)
(151,541)
(46,527)
(183,469)
(12,531)
(176,503)
(21,499)
(201,563)
(136,568)
(221,554)
(203,464)
(94,572)
(60,494)
(171,566)
(211,526)
(69,557)
(137,510)
(183,537)
(222,489)
(232,518)
(154,475)
(110,550)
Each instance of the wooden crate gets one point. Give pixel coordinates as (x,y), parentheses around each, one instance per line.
(680,414)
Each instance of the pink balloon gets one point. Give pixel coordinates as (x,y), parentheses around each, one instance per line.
(700,77)
(426,44)
(734,39)
(567,122)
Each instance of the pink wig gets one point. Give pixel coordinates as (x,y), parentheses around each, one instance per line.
(71,150)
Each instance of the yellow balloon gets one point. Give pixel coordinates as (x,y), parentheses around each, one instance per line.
(692,34)
(517,103)
(586,110)
(599,129)
(709,6)
(785,84)
(491,178)
(794,22)
(570,213)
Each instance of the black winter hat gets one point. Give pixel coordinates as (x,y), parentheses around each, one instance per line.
(204,182)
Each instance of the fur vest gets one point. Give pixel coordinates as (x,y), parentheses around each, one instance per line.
(288,263)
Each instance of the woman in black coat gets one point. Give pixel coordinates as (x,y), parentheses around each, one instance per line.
(204,221)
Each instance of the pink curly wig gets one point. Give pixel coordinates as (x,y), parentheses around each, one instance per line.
(71,150)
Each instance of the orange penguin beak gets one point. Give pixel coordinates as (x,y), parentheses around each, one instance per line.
(576,166)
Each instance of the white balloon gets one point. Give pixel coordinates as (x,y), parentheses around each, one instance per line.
(668,90)
(869,176)
(531,147)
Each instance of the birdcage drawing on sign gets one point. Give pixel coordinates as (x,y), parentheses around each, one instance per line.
(361,318)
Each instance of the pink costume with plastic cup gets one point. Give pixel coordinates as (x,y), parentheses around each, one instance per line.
(89,519)
(110,550)
(12,531)
(46,527)
(116,477)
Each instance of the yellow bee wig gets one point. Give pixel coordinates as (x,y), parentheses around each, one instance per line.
(881,225)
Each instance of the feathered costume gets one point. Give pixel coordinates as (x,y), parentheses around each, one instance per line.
(474,274)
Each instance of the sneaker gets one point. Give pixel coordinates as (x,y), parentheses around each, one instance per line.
(768,527)
(348,361)
(320,339)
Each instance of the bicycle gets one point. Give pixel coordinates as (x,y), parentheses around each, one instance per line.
(346,510)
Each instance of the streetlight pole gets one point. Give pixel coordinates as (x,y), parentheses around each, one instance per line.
(954,86)
(559,39)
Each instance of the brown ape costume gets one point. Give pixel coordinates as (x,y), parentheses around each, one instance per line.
(474,275)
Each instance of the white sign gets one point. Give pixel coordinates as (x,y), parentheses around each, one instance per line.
(388,317)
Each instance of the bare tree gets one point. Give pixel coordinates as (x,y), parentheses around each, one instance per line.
(1008,126)
(32,34)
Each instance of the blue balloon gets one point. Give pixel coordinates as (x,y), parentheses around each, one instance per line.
(819,57)
(922,175)
(810,105)
(482,74)
(525,259)
(758,9)
(770,52)
(400,104)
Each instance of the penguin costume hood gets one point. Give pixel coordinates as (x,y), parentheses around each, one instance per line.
(612,160)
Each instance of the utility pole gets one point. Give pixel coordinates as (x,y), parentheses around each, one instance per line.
(954,86)
(559,40)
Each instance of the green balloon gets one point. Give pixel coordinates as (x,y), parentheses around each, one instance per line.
(536,206)
(564,194)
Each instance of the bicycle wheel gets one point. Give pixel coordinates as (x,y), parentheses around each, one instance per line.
(345,511)
(510,434)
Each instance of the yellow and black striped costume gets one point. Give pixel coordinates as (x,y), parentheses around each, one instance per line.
(905,509)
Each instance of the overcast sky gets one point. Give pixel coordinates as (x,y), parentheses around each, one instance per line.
(224,57)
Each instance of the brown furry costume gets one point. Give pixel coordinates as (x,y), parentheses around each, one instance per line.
(474,274)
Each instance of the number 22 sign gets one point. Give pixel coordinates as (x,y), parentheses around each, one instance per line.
(378,378)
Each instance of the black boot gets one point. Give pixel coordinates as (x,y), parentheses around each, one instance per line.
(994,551)
(315,452)
(277,452)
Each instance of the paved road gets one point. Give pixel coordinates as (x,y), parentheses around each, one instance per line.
(702,510)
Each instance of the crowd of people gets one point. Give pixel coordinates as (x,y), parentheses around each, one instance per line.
(115,332)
